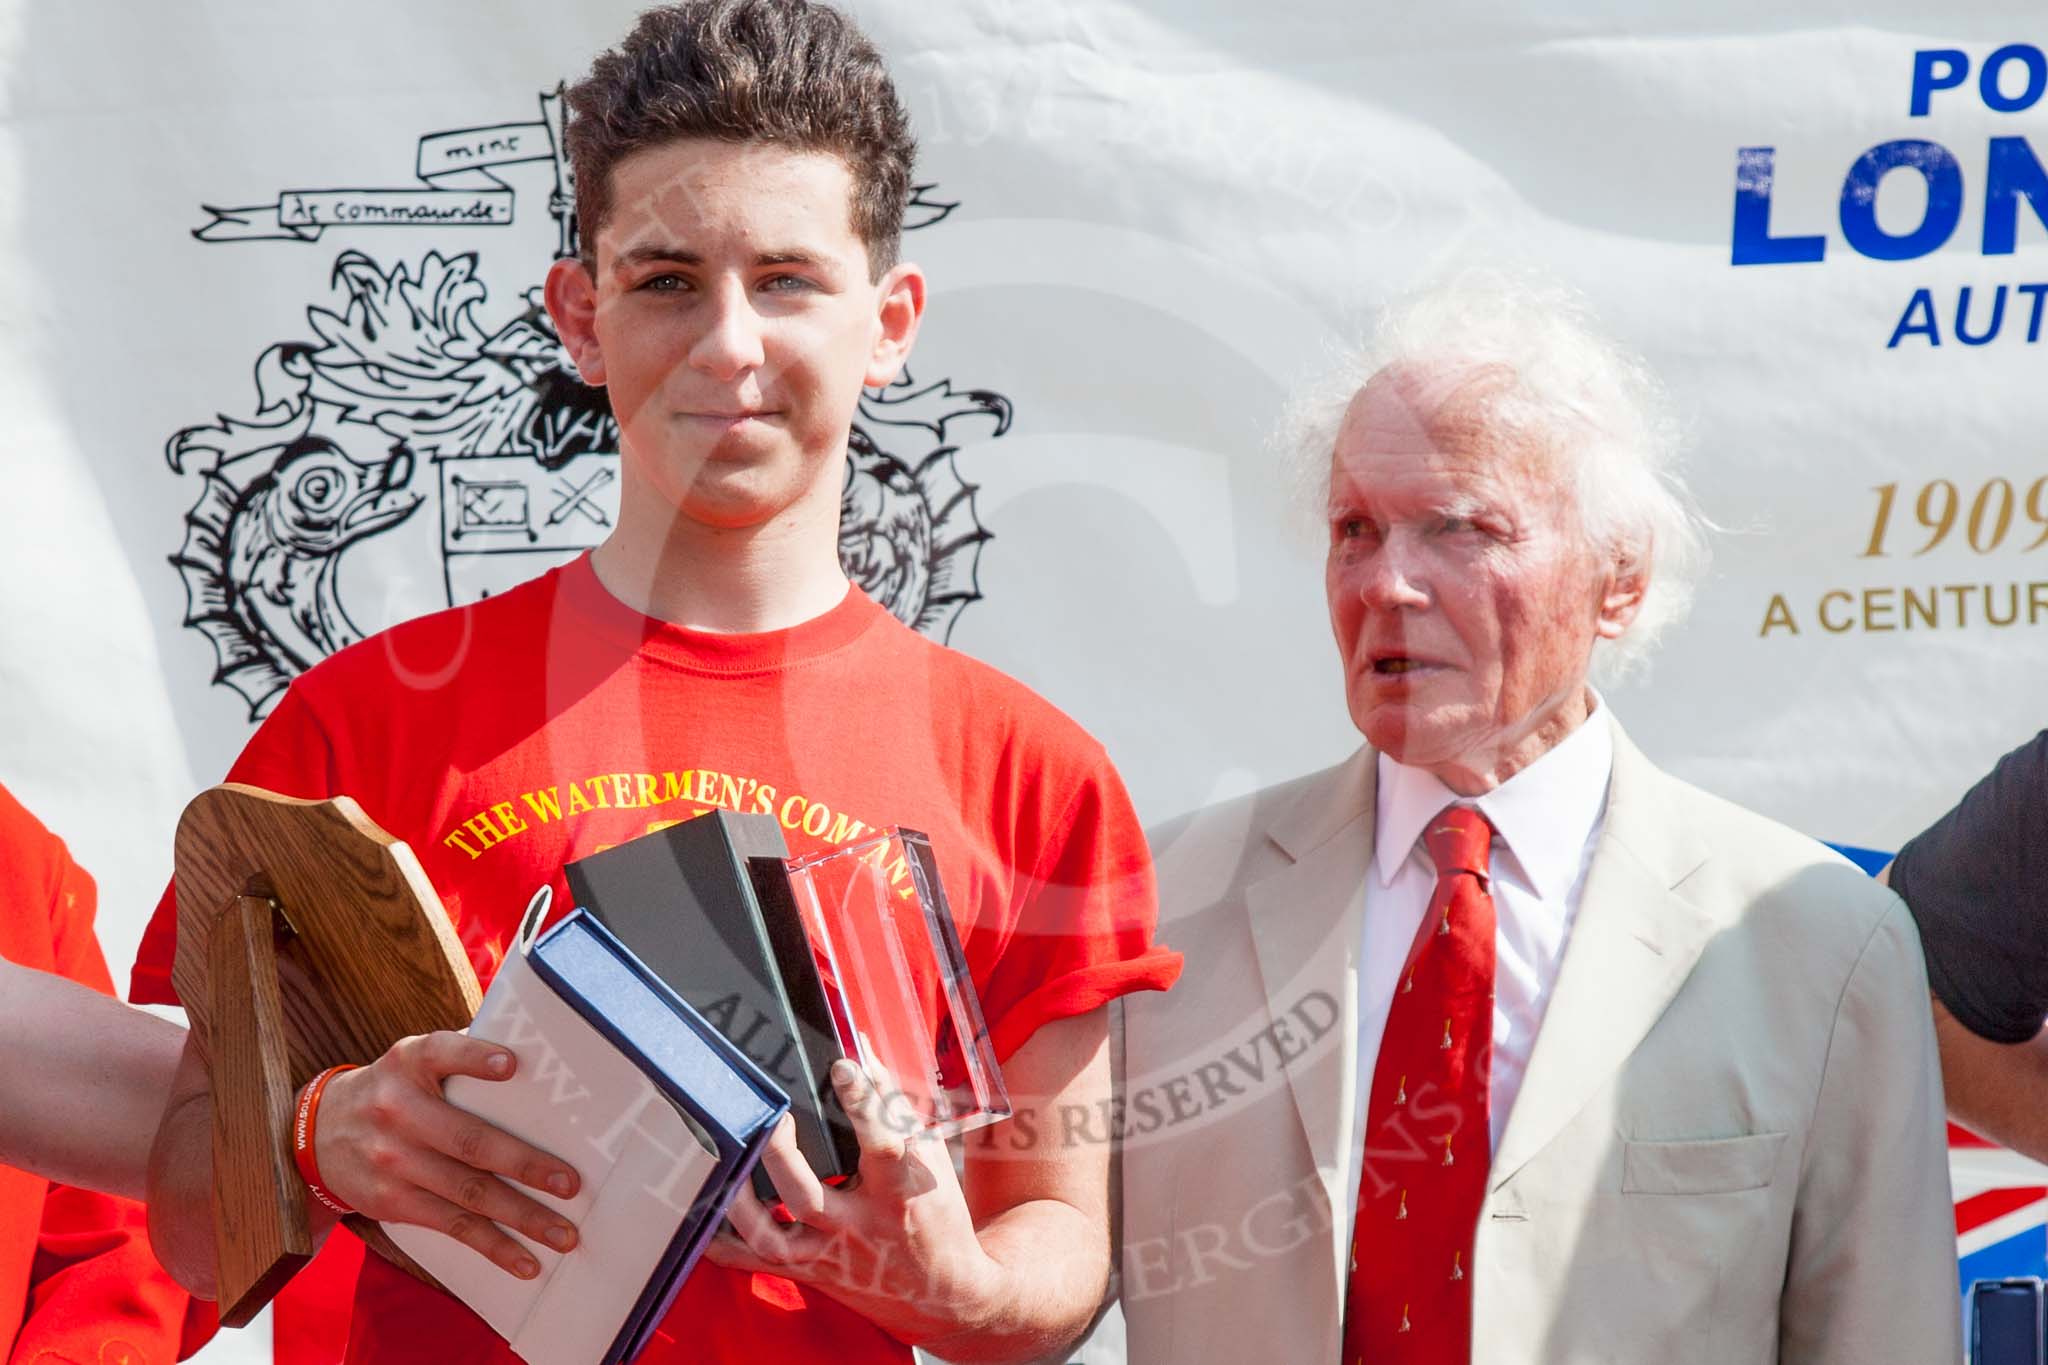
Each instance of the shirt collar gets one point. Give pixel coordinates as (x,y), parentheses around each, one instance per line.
(1545,814)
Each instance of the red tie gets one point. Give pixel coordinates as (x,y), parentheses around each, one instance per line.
(1428,1146)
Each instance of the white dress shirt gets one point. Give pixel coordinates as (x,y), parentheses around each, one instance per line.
(1546,821)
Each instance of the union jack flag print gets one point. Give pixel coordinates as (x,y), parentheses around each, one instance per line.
(2001,1210)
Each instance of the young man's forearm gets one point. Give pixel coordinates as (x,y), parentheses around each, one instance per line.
(1041,1200)
(1055,1267)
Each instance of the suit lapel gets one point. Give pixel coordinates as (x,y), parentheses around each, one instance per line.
(1305,932)
(1632,946)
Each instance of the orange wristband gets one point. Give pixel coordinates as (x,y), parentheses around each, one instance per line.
(302,1138)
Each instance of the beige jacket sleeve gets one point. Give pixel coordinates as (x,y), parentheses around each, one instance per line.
(1871,1276)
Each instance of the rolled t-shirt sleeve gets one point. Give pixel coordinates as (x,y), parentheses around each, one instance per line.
(1085,919)
(289,754)
(1977,884)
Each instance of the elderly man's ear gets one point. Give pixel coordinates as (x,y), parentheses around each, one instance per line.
(1624,596)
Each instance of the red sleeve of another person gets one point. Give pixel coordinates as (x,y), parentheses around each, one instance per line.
(95,1293)
(1086,912)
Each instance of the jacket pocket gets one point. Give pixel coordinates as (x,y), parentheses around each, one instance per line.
(1700,1166)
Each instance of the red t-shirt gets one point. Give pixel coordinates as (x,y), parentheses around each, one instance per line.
(504,739)
(77,1279)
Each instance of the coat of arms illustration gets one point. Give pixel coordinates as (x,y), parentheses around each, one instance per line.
(413,389)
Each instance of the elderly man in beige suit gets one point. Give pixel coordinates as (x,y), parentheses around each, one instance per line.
(1497,1044)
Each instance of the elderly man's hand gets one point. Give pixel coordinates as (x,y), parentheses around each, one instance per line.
(898,1247)
(393,1149)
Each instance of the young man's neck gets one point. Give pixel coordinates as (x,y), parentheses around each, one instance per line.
(767,577)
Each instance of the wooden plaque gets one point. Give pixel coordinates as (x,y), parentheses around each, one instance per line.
(307,937)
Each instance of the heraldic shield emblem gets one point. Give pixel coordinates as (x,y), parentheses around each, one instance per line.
(412,394)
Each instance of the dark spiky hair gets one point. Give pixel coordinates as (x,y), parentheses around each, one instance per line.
(786,72)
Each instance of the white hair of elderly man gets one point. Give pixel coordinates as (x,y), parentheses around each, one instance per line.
(1575,389)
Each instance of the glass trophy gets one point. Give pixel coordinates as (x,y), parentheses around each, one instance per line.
(904,1005)
(850,953)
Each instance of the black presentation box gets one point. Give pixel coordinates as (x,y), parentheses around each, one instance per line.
(707,905)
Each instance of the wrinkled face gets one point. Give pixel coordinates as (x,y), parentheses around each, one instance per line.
(733,323)
(1464,599)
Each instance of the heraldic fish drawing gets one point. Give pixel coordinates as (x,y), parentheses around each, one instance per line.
(408,388)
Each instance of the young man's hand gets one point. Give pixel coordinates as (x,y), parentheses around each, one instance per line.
(389,1146)
(1008,1264)
(898,1247)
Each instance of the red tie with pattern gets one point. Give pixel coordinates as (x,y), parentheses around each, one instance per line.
(1428,1147)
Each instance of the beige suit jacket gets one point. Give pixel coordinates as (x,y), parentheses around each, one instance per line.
(1728,1147)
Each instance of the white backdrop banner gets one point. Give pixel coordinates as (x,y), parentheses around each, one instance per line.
(273,373)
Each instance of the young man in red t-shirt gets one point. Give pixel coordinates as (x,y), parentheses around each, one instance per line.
(742,170)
